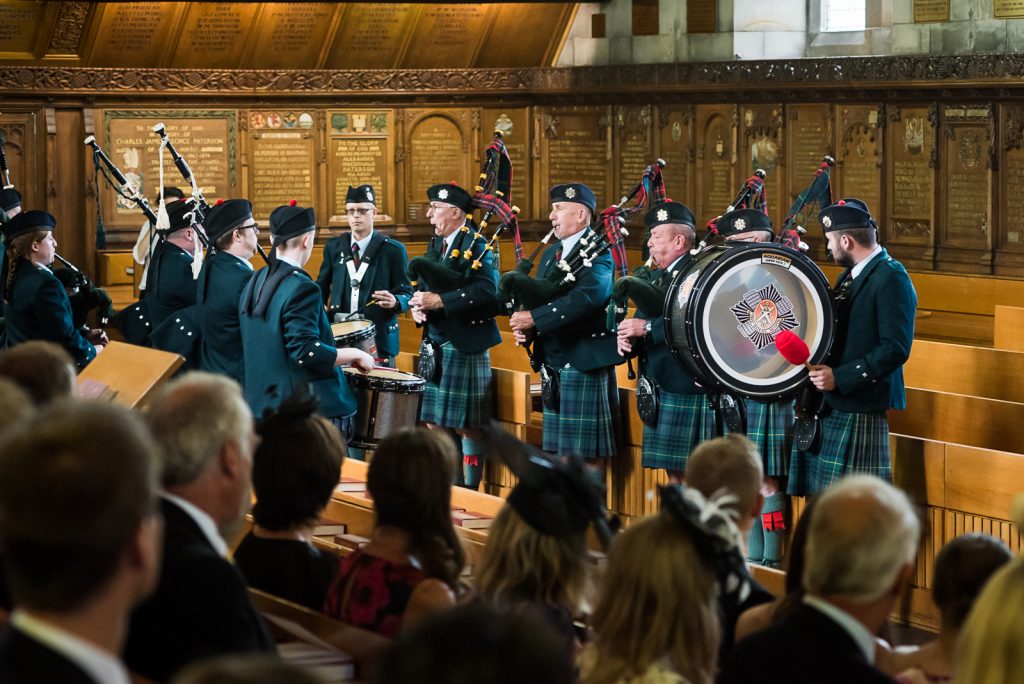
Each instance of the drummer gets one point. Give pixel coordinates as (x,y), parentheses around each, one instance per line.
(684,417)
(364,272)
(286,340)
(769,423)
(875,308)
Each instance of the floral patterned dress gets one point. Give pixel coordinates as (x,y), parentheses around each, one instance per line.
(372,593)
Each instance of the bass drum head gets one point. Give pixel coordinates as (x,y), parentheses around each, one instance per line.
(725,307)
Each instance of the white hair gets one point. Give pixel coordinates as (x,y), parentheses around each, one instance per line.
(863,532)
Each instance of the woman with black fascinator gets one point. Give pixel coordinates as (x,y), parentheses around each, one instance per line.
(295,469)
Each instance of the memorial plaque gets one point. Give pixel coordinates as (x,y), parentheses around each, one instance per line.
(634,146)
(133,34)
(716,186)
(860,156)
(700,16)
(1008,9)
(371,35)
(1012,175)
(515,122)
(577,149)
(446,35)
(215,34)
(676,148)
(809,137)
(282,160)
(361,152)
(289,34)
(436,153)
(966,190)
(20,23)
(538,32)
(206,139)
(911,186)
(931,10)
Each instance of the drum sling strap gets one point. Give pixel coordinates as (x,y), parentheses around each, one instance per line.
(356,275)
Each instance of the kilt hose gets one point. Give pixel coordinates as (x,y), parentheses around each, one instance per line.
(770,428)
(462,397)
(684,421)
(583,425)
(850,443)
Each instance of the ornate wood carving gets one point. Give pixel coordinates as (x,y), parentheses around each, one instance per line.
(67,31)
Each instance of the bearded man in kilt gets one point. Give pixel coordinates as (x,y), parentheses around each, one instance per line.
(461,323)
(684,417)
(769,423)
(876,304)
(571,338)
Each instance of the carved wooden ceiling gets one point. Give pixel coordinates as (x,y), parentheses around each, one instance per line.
(279,35)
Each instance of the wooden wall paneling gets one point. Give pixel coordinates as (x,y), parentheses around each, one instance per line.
(967,155)
(372,35)
(810,135)
(910,190)
(66,187)
(540,30)
(1009,210)
(27,29)
(762,147)
(129,35)
(517,123)
(24,136)
(576,146)
(861,157)
(717,182)
(285,34)
(446,34)
(438,148)
(675,143)
(215,35)
(633,151)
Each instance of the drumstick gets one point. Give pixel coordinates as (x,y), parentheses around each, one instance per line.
(793,349)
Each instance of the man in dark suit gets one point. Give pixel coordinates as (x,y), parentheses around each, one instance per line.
(460,321)
(80,557)
(860,554)
(684,416)
(876,304)
(286,339)
(364,272)
(201,607)
(570,334)
(232,231)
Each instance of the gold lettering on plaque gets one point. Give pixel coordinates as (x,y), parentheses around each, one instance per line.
(360,154)
(931,10)
(281,167)
(966,186)
(579,154)
(1006,9)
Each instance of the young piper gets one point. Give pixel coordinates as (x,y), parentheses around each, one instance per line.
(286,340)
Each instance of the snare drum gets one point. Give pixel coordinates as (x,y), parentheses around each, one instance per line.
(388,400)
(727,303)
(358,332)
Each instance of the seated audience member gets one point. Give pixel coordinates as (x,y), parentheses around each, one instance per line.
(759,617)
(43,369)
(204,431)
(295,469)
(962,568)
(15,404)
(860,553)
(247,669)
(535,559)
(731,465)
(81,539)
(412,564)
(656,618)
(477,643)
(990,649)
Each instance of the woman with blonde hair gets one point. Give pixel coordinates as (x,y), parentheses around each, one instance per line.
(656,618)
(991,646)
(411,567)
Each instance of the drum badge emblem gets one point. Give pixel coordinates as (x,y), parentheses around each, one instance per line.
(762,314)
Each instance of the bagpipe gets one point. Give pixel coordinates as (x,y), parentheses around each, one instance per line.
(820,191)
(750,196)
(5,170)
(493,196)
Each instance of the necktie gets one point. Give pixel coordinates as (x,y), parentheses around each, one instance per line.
(558,254)
(355,253)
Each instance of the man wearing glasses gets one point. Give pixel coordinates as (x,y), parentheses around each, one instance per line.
(364,273)
(232,231)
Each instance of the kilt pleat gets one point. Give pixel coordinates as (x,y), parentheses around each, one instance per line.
(770,428)
(851,443)
(462,397)
(583,426)
(684,421)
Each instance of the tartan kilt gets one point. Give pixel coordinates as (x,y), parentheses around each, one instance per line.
(684,421)
(770,428)
(462,398)
(850,443)
(583,425)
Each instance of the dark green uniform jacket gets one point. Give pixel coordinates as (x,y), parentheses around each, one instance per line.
(661,366)
(218,290)
(170,286)
(387,262)
(39,309)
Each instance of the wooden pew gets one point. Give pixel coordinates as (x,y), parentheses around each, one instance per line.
(963,369)
(960,419)
(1009,328)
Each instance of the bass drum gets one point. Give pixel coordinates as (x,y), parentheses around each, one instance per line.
(727,303)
